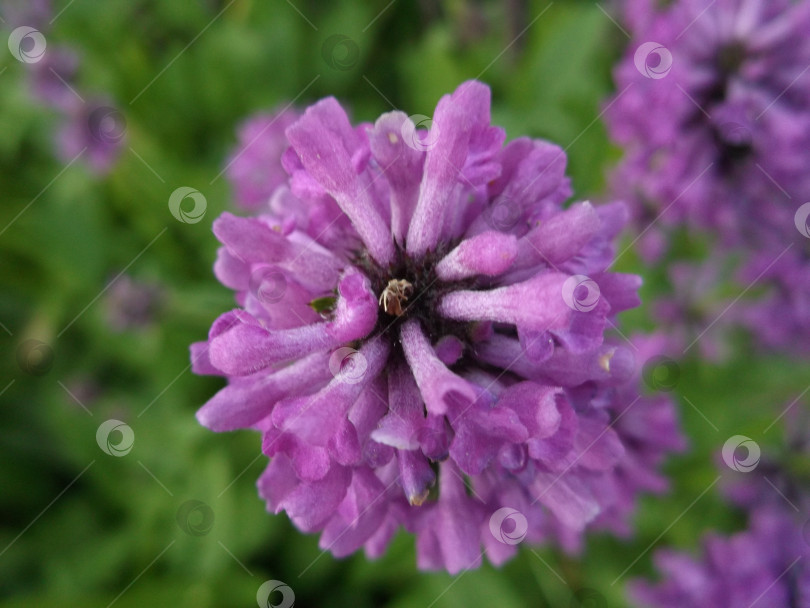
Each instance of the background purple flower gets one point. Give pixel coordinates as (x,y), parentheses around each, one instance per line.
(94,130)
(699,312)
(420,341)
(33,13)
(713,110)
(781,318)
(132,304)
(645,416)
(254,168)
(53,77)
(713,113)
(767,563)
(91,128)
(763,565)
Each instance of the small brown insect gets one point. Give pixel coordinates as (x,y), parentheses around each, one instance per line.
(395,293)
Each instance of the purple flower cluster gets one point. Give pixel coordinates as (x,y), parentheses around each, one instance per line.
(647,424)
(764,565)
(713,112)
(90,128)
(131,304)
(33,13)
(420,338)
(93,130)
(254,168)
(698,302)
(781,318)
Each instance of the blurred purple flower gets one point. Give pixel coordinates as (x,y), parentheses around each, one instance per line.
(697,312)
(254,168)
(31,13)
(766,564)
(95,131)
(92,129)
(84,391)
(646,422)
(781,318)
(53,77)
(132,304)
(420,340)
(713,111)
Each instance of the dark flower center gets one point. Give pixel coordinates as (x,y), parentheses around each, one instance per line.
(733,141)
(727,63)
(731,57)
(409,288)
(734,146)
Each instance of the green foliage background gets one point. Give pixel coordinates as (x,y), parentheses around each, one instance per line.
(185,74)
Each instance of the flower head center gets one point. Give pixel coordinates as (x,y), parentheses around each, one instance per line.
(394,296)
(408,288)
(731,57)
